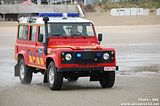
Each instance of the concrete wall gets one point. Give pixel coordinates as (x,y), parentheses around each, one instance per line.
(11,12)
(36,8)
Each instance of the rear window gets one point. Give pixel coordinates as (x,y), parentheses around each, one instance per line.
(23,32)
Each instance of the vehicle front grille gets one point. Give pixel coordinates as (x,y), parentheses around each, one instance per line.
(89,57)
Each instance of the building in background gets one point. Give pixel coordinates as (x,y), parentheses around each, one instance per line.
(10,10)
(11,1)
(85,2)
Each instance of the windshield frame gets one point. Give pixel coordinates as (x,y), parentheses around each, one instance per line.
(92,25)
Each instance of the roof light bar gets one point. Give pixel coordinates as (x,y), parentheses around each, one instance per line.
(50,14)
(69,14)
(76,14)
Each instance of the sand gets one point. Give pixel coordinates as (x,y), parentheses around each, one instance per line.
(138,55)
(104,19)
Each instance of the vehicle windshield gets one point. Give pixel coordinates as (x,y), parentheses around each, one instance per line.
(70,29)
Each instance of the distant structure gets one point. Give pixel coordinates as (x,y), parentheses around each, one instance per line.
(66,1)
(10,10)
(11,1)
(51,1)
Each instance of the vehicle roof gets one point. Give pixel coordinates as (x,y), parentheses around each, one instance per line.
(39,20)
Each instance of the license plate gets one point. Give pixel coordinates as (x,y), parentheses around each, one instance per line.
(109,68)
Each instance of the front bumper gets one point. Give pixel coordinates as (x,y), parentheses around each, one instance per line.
(84,69)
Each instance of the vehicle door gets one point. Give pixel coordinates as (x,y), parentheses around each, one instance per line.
(40,59)
(22,43)
(32,45)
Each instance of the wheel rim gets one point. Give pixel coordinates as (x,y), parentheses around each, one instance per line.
(22,71)
(51,75)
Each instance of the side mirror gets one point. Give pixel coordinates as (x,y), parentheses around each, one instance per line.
(100,37)
(40,38)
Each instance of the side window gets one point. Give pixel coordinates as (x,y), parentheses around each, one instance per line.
(32,33)
(23,32)
(41,36)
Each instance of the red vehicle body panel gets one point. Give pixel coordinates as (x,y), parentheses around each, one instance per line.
(34,56)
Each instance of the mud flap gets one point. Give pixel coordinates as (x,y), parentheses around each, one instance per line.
(117,68)
(16,70)
(45,80)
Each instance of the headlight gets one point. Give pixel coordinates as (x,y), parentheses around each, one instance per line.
(105,56)
(68,57)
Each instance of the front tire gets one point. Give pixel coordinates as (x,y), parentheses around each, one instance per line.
(55,79)
(25,72)
(107,79)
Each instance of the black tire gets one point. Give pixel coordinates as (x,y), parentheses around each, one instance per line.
(54,81)
(72,79)
(107,79)
(25,72)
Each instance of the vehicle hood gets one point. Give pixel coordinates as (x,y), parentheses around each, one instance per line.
(77,47)
(75,43)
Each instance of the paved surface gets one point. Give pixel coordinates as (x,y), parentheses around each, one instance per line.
(138,55)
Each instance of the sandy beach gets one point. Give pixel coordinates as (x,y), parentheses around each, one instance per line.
(137,43)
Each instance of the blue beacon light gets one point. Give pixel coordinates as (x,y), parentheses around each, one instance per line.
(79,55)
(50,14)
(98,54)
(75,14)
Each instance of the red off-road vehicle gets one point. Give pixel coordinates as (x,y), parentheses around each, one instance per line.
(62,46)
